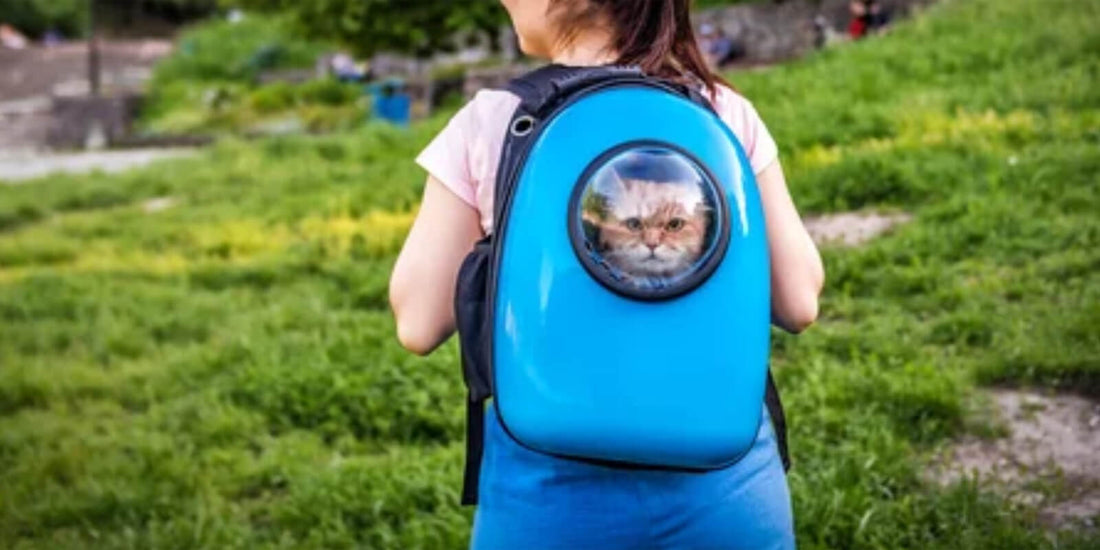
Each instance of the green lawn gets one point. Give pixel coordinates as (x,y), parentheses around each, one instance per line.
(224,373)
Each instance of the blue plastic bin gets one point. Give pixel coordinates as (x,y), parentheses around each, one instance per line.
(390,101)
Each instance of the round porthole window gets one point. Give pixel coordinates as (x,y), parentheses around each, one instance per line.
(648,221)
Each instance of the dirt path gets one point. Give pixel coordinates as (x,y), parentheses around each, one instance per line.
(1050,458)
(16,168)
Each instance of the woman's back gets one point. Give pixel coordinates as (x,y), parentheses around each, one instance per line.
(535,500)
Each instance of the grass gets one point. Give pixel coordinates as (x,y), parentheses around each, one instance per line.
(224,373)
(211,83)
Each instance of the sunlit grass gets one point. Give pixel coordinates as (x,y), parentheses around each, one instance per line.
(235,242)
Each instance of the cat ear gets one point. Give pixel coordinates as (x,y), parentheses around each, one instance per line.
(618,184)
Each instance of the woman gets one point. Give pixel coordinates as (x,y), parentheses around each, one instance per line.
(531,500)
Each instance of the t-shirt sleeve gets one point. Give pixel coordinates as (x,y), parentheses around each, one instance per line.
(447,157)
(764,150)
(747,125)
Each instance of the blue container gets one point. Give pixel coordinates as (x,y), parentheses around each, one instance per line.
(390,101)
(670,373)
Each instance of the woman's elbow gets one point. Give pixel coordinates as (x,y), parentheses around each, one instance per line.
(797,315)
(414,338)
(805,315)
(413,332)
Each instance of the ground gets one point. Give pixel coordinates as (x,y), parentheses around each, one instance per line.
(1040,439)
(20,166)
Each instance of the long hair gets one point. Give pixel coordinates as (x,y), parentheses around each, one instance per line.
(655,35)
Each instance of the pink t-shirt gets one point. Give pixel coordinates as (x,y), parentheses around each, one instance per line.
(464,156)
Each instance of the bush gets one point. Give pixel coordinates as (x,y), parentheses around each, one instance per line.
(218,50)
(209,84)
(35,17)
(272,98)
(329,92)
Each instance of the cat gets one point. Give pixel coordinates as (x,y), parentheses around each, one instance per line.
(649,229)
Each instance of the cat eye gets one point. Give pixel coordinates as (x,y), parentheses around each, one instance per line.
(675,224)
(633,224)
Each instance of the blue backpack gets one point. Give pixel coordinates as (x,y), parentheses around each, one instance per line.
(619,313)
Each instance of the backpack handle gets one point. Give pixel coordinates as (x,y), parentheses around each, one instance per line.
(544,88)
(541,89)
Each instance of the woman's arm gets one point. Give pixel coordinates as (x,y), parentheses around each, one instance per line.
(423,281)
(797,272)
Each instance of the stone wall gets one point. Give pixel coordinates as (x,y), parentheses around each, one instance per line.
(91,122)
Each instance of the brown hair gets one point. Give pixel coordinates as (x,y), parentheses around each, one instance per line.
(655,35)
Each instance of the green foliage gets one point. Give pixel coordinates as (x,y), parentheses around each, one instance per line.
(369,26)
(224,373)
(209,85)
(321,105)
(327,92)
(70,17)
(220,50)
(35,17)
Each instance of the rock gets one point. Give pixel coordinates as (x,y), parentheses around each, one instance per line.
(851,228)
(157,204)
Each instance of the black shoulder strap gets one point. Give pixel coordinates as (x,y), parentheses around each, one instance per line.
(779,419)
(475,445)
(542,89)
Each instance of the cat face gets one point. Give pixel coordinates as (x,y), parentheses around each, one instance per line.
(650,228)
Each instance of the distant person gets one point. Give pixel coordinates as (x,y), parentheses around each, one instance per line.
(867,17)
(824,33)
(857,22)
(52,38)
(878,17)
(345,69)
(11,38)
(718,48)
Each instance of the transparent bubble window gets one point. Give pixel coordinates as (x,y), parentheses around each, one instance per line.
(648,221)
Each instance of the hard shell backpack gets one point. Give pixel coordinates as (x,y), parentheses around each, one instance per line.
(619,313)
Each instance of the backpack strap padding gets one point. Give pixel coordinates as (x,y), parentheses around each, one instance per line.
(475,446)
(541,89)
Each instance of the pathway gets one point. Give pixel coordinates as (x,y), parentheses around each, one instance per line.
(18,167)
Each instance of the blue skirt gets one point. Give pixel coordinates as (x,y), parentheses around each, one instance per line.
(534,501)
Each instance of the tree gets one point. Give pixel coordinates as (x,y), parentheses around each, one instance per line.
(70,17)
(418,27)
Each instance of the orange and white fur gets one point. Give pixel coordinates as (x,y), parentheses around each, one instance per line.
(651,228)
